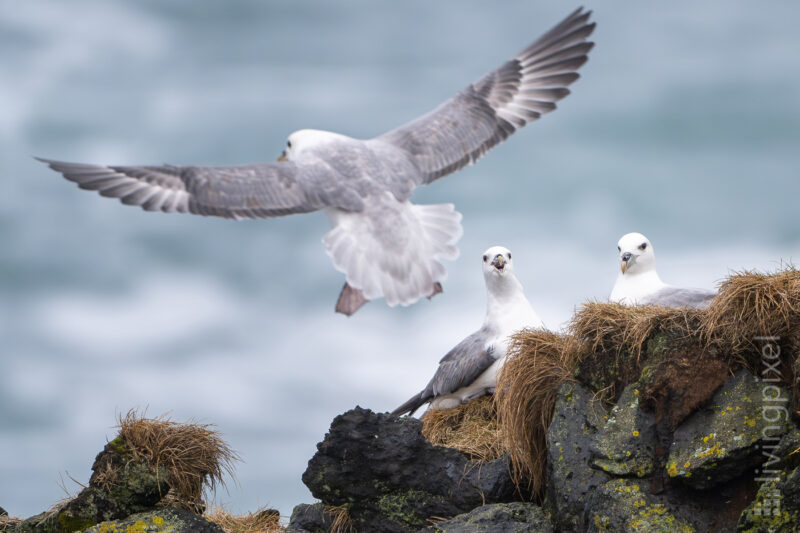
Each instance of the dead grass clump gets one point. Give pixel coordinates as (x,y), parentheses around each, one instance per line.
(538,363)
(471,428)
(194,455)
(612,338)
(752,305)
(7,522)
(340,519)
(616,328)
(261,521)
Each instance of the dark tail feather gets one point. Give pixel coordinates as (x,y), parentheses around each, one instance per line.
(414,403)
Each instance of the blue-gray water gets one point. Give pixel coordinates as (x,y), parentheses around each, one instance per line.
(685,126)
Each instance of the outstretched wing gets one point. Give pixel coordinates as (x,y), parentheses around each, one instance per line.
(246,191)
(465,127)
(678,297)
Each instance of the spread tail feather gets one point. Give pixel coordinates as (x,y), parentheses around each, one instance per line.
(394,256)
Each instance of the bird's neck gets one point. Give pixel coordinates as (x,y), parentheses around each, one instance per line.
(635,285)
(506,305)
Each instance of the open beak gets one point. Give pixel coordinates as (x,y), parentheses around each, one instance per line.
(626,259)
(499,262)
(282,157)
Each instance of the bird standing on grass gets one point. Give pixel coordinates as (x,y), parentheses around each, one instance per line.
(638,282)
(385,245)
(471,368)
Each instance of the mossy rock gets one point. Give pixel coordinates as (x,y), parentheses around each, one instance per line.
(392,478)
(622,505)
(516,517)
(577,417)
(625,444)
(776,508)
(722,440)
(135,488)
(166,520)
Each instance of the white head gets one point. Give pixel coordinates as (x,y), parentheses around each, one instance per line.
(301,140)
(635,254)
(497,263)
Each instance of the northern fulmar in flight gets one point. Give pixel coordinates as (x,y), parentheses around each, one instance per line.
(385,245)
(638,282)
(471,368)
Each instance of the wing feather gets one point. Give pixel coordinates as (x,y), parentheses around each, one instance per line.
(484,114)
(246,191)
(460,367)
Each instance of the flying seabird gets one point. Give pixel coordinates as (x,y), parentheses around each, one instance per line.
(638,282)
(470,369)
(385,245)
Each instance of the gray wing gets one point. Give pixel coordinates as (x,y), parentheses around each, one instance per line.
(679,297)
(460,367)
(246,191)
(484,114)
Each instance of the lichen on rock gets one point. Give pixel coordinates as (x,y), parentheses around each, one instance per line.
(624,445)
(167,520)
(516,517)
(722,440)
(622,505)
(570,478)
(393,479)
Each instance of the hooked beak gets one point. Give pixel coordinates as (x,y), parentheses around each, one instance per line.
(282,157)
(626,260)
(499,262)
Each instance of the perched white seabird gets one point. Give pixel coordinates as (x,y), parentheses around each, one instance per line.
(470,369)
(638,282)
(385,245)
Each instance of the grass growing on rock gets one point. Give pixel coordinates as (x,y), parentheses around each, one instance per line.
(193,455)
(261,521)
(538,363)
(679,355)
(471,428)
(752,305)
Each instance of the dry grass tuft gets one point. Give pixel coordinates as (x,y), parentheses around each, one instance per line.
(8,522)
(471,428)
(194,455)
(538,363)
(751,305)
(262,521)
(614,328)
(340,519)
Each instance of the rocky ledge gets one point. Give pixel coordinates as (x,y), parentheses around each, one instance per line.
(730,465)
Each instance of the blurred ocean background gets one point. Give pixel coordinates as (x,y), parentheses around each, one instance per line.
(685,126)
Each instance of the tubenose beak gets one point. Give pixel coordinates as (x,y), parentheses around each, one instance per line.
(499,262)
(282,157)
(625,263)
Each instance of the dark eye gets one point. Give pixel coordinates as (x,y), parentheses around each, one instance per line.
(643,246)
(485,258)
(288,144)
(619,249)
(509,256)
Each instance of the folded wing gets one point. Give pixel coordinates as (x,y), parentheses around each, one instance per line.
(460,367)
